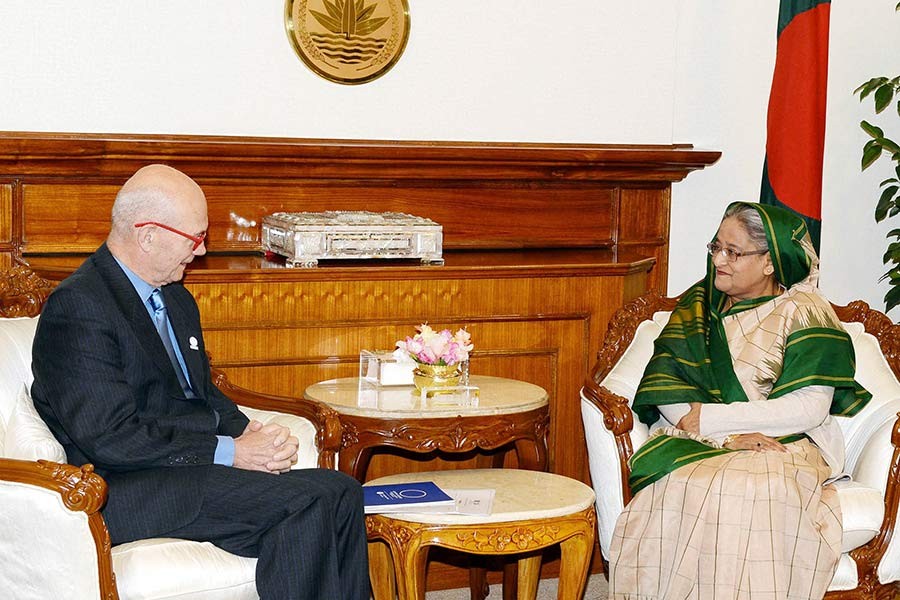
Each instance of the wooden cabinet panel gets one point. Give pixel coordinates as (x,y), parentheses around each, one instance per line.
(644,226)
(510,215)
(5,213)
(282,337)
(74,217)
(485,195)
(7,248)
(640,219)
(66,218)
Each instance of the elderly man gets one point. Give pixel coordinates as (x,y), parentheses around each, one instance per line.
(122,380)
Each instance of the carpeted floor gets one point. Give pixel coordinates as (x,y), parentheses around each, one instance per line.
(596,590)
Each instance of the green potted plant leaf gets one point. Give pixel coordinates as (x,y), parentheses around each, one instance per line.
(883,91)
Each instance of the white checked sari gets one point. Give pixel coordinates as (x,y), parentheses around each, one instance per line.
(745,525)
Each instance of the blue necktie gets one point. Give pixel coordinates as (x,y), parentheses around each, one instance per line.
(161,320)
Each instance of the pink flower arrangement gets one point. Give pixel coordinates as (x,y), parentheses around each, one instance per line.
(432,347)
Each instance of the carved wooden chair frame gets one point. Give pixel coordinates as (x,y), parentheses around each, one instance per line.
(619,420)
(22,294)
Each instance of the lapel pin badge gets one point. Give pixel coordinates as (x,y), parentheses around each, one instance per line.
(193,343)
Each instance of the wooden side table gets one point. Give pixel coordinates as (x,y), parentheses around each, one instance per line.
(508,412)
(532,511)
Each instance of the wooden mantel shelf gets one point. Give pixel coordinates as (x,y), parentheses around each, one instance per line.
(56,154)
(498,264)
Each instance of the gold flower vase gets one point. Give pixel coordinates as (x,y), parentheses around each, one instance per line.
(436,376)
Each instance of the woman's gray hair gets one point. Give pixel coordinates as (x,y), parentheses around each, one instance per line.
(749,218)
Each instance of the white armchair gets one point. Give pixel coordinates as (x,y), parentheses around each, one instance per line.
(870,564)
(53,541)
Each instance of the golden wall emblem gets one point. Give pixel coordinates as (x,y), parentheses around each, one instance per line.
(348,41)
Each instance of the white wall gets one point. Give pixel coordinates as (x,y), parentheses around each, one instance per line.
(868,36)
(726,53)
(472,70)
(602,71)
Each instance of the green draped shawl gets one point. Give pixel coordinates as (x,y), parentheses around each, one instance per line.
(692,361)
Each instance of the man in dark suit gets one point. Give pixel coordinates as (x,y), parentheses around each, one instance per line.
(122,380)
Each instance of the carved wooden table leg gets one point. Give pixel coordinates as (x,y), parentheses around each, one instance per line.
(478,585)
(529,573)
(409,567)
(576,561)
(532,453)
(381,571)
(354,460)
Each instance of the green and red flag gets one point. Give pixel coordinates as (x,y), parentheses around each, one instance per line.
(795,127)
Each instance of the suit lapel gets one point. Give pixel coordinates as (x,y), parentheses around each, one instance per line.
(187,335)
(135,312)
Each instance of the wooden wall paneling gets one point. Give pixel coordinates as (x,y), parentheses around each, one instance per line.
(509,215)
(66,218)
(281,337)
(7,247)
(74,217)
(525,195)
(644,214)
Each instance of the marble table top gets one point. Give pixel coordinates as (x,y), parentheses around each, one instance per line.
(519,495)
(496,396)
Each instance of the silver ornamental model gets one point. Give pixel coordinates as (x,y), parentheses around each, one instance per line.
(306,237)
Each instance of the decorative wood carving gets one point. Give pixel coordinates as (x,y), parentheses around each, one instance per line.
(622,328)
(526,430)
(80,490)
(522,539)
(879,325)
(619,419)
(22,292)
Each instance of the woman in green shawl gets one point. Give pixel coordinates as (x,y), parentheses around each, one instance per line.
(730,490)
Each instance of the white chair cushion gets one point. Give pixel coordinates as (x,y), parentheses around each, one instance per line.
(862,510)
(16,336)
(845,576)
(27,436)
(170,568)
(2,435)
(46,550)
(603,457)
(873,373)
(625,376)
(603,462)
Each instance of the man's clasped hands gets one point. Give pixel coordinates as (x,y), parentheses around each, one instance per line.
(269,448)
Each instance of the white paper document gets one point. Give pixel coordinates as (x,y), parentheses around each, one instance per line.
(473,501)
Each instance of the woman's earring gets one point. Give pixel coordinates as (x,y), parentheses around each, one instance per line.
(769,270)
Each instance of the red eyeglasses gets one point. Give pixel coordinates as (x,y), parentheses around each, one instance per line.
(197,239)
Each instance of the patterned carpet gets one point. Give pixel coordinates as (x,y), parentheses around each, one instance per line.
(596,590)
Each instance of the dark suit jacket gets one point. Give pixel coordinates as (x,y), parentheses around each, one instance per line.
(106,388)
